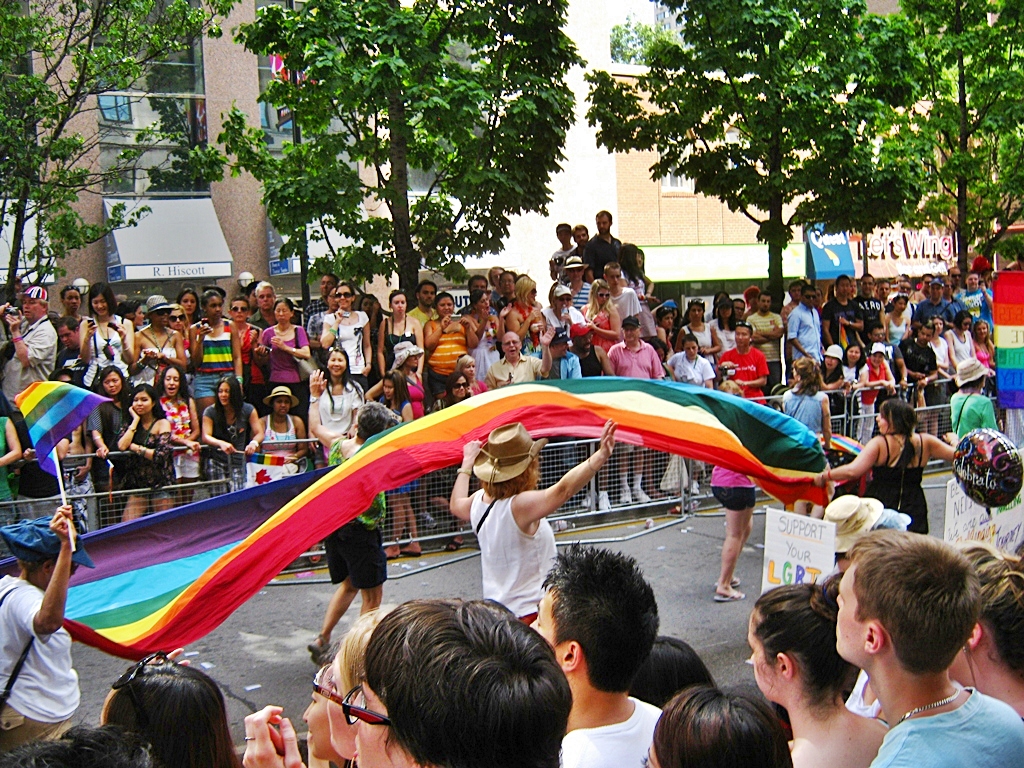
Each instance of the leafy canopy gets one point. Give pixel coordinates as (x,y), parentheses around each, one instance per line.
(974,120)
(469,97)
(788,111)
(56,56)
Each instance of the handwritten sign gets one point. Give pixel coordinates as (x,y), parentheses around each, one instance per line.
(1003,527)
(797,549)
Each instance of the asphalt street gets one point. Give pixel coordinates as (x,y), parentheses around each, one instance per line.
(259,657)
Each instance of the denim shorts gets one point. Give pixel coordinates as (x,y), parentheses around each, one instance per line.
(205,384)
(734,498)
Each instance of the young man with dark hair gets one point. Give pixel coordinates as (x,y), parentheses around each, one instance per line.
(604,248)
(841,318)
(600,616)
(556,264)
(424,310)
(907,605)
(461,684)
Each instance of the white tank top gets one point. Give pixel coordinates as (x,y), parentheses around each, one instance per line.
(512,563)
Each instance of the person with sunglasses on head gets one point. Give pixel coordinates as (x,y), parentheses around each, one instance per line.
(38,688)
(177,708)
(447,683)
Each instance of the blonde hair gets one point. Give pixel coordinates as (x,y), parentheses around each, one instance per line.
(730,387)
(593,305)
(352,652)
(1002,599)
(524,285)
(525,481)
(461,364)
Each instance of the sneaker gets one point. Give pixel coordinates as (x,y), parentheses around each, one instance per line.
(625,496)
(640,496)
(603,502)
(695,488)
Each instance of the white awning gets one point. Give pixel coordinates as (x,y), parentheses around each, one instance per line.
(178,239)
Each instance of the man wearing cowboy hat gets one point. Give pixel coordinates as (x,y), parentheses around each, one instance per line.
(575,280)
(35,650)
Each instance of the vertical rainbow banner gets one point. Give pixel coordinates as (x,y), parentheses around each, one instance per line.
(1008,336)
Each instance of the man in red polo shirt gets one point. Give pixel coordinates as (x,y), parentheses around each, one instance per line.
(745,365)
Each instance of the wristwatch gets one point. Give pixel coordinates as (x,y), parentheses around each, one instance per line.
(313,400)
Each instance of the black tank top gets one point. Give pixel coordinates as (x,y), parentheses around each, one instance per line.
(590,365)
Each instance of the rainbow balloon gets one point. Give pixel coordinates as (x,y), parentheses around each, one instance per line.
(167,580)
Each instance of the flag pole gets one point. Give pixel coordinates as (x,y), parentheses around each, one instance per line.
(64,497)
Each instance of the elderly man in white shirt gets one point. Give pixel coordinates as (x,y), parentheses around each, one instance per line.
(33,350)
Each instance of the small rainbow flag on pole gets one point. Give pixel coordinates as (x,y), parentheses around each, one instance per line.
(267,460)
(52,410)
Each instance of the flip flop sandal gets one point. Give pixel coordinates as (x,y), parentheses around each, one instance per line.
(735,596)
(317,648)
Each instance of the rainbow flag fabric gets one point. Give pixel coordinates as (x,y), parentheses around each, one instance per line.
(52,410)
(266,460)
(167,580)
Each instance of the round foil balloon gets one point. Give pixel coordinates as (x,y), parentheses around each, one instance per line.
(988,467)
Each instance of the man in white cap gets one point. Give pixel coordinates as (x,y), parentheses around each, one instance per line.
(32,350)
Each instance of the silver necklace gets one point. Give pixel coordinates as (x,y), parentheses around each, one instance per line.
(933,705)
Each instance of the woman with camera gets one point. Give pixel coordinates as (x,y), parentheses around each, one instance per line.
(106,339)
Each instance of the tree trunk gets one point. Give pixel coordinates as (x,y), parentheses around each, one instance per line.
(963,138)
(17,247)
(398,194)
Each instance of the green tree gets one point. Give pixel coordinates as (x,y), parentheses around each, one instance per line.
(631,42)
(56,57)
(468,98)
(973,115)
(785,110)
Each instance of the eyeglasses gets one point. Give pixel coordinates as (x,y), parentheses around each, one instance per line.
(125,681)
(177,317)
(345,295)
(354,712)
(240,309)
(325,686)
(605,295)
(459,385)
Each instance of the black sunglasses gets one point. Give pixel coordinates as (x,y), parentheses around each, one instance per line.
(177,317)
(125,681)
(345,295)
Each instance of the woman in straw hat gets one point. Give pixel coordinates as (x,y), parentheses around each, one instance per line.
(508,514)
(969,408)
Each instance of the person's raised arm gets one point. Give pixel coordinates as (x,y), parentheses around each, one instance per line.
(857,468)
(531,506)
(50,616)
(545,346)
(461,502)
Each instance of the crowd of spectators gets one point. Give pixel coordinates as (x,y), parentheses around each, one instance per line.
(908,654)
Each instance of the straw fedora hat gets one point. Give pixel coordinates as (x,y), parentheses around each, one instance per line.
(853,517)
(969,370)
(507,453)
(277,392)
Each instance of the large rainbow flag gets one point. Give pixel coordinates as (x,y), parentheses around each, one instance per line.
(167,580)
(52,410)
